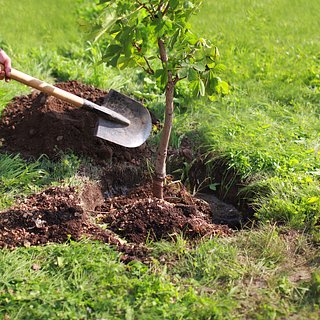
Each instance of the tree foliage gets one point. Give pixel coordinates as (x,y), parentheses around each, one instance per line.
(132,30)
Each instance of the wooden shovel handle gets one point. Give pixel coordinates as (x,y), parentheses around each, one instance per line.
(66,96)
(45,87)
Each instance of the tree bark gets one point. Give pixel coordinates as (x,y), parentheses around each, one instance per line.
(160,166)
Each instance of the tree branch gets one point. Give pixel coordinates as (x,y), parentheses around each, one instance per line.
(176,79)
(137,46)
(162,51)
(146,70)
(166,9)
(152,13)
(151,71)
(160,5)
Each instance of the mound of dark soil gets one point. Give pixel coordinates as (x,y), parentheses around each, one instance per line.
(50,216)
(139,217)
(59,214)
(39,124)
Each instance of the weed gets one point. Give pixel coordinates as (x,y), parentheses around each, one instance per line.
(315,287)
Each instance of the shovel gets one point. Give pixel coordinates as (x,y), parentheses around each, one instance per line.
(122,120)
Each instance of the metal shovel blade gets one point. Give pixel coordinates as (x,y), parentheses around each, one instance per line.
(128,135)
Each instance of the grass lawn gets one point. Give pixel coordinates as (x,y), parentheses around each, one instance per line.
(29,24)
(267,129)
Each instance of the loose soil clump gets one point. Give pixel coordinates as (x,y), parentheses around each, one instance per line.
(53,215)
(57,215)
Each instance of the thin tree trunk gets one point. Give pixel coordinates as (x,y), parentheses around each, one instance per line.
(160,166)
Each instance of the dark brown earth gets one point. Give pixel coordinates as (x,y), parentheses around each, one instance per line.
(117,211)
(38,124)
(139,217)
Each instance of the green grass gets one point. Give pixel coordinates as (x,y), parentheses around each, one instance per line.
(20,177)
(217,279)
(267,129)
(264,272)
(271,54)
(27,24)
(87,281)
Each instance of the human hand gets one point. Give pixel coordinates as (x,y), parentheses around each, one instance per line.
(6,61)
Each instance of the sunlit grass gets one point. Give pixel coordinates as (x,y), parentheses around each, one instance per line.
(87,280)
(269,124)
(27,24)
(19,177)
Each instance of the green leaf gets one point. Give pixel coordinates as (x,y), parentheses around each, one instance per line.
(223,87)
(202,88)
(192,75)
(213,186)
(215,55)
(174,38)
(182,73)
(113,49)
(219,67)
(114,61)
(158,73)
(174,4)
(213,98)
(125,37)
(160,28)
(312,200)
(212,83)
(191,38)
(212,53)
(124,62)
(199,65)
(168,22)
(211,65)
(195,87)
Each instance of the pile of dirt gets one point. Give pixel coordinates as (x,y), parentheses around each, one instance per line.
(61,214)
(139,217)
(57,215)
(53,215)
(38,124)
